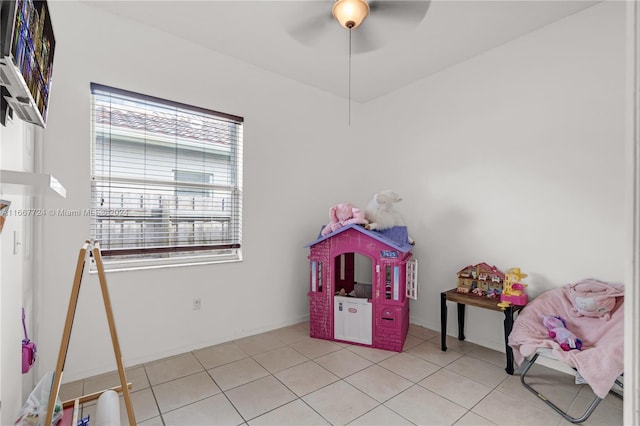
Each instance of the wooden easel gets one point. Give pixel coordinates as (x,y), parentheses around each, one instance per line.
(64,344)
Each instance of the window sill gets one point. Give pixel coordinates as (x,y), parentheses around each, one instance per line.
(144,264)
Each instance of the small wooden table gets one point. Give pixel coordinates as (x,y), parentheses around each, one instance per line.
(463,299)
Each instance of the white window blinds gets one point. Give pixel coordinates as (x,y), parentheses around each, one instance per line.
(166,178)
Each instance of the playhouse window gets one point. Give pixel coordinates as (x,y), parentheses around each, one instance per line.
(387,282)
(392,283)
(320,276)
(314,275)
(396,283)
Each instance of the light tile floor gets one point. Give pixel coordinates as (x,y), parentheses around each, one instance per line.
(284,377)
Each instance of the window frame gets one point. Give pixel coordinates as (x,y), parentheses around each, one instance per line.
(228,247)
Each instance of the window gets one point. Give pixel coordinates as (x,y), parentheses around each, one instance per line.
(166,180)
(196,177)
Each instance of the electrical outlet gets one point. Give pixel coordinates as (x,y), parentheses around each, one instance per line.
(197,303)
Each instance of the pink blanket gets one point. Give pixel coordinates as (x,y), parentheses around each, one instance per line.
(601,359)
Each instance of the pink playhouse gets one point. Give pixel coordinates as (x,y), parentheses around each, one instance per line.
(373,311)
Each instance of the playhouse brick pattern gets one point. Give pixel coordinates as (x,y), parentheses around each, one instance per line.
(320,302)
(390,322)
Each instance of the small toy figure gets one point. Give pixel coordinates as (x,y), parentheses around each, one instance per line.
(493,294)
(558,331)
(477,292)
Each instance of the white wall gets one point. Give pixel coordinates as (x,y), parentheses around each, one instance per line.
(16,267)
(298,154)
(514,158)
(632,275)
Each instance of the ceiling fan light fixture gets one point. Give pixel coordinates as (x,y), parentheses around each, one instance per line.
(350,13)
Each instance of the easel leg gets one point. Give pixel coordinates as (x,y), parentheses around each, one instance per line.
(114,336)
(66,335)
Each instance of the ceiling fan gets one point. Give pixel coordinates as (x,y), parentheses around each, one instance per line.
(380,16)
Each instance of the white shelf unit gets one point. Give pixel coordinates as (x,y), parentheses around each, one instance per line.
(12,181)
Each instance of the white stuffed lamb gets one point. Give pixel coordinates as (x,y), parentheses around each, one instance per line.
(380,212)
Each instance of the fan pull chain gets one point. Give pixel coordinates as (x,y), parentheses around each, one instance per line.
(350,30)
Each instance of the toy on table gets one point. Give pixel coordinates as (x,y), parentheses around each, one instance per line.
(494,293)
(480,279)
(512,289)
(477,292)
(558,331)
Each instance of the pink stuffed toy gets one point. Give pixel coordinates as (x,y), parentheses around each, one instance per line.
(342,215)
(593,298)
(558,331)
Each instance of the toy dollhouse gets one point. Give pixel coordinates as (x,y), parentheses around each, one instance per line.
(374,314)
(482,276)
(484,279)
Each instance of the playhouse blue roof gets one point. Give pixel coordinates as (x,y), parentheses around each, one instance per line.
(396,237)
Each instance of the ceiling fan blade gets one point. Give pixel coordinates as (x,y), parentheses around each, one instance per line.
(406,10)
(311,21)
(365,39)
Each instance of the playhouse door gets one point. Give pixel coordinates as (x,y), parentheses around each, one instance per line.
(352,320)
